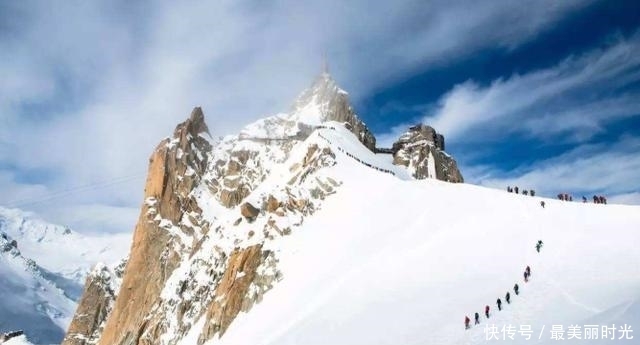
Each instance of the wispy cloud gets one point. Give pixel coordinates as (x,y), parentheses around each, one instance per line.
(573,99)
(88,88)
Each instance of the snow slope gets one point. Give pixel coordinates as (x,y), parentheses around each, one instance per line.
(42,277)
(391,260)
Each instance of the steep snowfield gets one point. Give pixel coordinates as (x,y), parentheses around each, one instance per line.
(390,260)
(42,277)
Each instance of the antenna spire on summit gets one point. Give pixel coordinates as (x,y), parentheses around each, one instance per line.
(325,64)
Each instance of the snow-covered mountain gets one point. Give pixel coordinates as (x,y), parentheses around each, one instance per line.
(298,230)
(42,272)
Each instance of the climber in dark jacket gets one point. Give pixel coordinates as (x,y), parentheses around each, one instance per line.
(539,245)
(507,297)
(499,303)
(516,288)
(477,319)
(466,322)
(528,270)
(486,311)
(526,277)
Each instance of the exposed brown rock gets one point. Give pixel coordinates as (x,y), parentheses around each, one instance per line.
(152,258)
(272,204)
(249,211)
(231,198)
(93,309)
(232,291)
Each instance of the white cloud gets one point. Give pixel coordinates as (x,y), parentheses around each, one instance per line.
(547,102)
(625,199)
(88,88)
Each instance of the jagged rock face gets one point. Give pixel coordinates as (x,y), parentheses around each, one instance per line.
(233,291)
(100,291)
(190,257)
(333,103)
(8,245)
(167,218)
(421,150)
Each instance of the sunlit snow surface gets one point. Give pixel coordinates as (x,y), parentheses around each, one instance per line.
(390,260)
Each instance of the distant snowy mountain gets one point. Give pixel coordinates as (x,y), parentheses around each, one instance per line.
(42,272)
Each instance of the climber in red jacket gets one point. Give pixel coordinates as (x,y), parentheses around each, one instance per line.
(466,322)
(486,311)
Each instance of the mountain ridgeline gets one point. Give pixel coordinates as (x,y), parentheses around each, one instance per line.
(206,244)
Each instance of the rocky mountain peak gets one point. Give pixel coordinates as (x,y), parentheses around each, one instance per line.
(169,223)
(195,124)
(324,89)
(325,101)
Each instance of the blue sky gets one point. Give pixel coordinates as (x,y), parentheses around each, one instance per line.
(544,94)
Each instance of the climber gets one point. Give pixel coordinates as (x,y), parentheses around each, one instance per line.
(499,303)
(477,319)
(466,322)
(516,289)
(542,203)
(528,270)
(507,297)
(486,311)
(526,277)
(539,245)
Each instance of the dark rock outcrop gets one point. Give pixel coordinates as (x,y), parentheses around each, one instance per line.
(10,335)
(249,211)
(421,150)
(100,291)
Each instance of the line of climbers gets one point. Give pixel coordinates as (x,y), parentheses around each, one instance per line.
(597,199)
(524,191)
(507,297)
(358,159)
